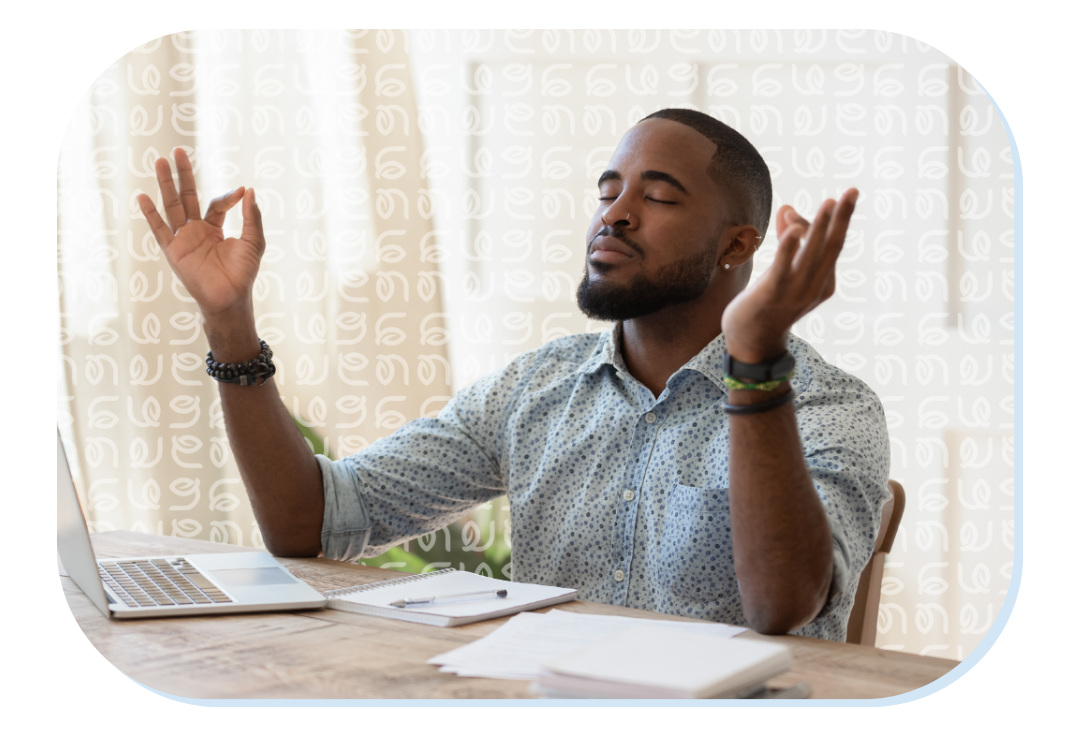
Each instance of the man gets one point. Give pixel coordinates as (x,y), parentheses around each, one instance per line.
(638,469)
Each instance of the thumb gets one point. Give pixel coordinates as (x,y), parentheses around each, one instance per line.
(786,217)
(252,230)
(782,221)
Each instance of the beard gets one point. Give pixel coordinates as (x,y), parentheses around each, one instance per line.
(675,283)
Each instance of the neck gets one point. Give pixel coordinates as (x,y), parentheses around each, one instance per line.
(656,345)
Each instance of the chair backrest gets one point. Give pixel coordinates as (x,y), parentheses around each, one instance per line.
(862,625)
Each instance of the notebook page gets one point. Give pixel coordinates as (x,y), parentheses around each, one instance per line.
(453,584)
(673,660)
(518,648)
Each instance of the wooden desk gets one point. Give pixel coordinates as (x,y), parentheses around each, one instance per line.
(328,654)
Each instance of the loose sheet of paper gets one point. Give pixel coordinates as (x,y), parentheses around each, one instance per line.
(520,595)
(518,648)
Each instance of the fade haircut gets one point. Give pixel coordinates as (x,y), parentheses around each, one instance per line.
(736,167)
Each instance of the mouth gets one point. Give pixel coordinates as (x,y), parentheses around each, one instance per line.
(605,248)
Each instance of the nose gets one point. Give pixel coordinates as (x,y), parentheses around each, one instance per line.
(606,219)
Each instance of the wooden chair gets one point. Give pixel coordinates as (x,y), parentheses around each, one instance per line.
(862,625)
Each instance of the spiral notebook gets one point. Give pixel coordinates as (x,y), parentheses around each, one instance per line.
(376,599)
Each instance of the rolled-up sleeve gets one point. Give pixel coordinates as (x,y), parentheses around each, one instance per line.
(419,479)
(846,445)
(841,571)
(346,526)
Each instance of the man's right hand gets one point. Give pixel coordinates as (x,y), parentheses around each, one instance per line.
(278,469)
(218,272)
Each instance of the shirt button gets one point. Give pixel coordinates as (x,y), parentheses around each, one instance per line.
(650,418)
(619,575)
(628,495)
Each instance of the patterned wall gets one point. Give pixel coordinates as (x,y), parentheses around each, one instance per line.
(425,199)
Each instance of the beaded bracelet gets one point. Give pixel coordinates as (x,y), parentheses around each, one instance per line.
(243,373)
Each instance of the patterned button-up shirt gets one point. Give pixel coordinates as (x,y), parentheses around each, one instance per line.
(613,491)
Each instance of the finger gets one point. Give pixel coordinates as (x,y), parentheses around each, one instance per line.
(839,225)
(174,211)
(188,196)
(834,244)
(787,249)
(810,257)
(162,232)
(252,230)
(219,206)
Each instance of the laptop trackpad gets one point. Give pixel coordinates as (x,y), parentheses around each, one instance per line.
(254,576)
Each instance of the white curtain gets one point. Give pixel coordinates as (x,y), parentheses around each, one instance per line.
(322,125)
(426,197)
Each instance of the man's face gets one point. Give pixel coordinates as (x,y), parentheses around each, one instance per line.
(653,241)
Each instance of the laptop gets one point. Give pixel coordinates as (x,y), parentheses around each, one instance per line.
(172,585)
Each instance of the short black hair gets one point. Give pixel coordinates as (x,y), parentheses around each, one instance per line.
(736,167)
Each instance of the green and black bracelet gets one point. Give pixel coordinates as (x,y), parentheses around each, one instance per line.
(748,408)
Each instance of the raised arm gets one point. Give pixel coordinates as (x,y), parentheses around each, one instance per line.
(782,540)
(280,472)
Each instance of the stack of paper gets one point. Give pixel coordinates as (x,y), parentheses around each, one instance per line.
(518,649)
(646,663)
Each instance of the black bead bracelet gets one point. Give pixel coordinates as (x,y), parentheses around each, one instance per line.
(243,373)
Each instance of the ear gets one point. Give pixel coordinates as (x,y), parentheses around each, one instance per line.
(737,245)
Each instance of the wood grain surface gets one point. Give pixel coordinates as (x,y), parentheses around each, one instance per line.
(331,654)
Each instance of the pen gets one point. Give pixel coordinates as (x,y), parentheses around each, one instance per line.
(460,597)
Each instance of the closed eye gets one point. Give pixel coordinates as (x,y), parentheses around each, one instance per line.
(651,199)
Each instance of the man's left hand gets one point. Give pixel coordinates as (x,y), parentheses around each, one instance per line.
(803,275)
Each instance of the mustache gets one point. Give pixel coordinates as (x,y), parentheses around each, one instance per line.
(618,234)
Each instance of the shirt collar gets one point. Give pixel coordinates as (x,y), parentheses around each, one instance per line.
(607,352)
(708,362)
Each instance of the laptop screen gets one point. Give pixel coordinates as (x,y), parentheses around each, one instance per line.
(72,536)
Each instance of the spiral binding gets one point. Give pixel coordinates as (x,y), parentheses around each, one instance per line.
(333,594)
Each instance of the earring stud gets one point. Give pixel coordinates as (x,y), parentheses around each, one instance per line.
(727,266)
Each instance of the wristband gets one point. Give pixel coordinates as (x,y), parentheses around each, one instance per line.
(743,410)
(768,385)
(243,373)
(782,366)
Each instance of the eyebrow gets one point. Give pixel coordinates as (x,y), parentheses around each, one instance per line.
(650,175)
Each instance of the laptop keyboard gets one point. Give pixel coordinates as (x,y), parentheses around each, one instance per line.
(158,583)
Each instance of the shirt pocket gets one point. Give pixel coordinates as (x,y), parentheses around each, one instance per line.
(695,548)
